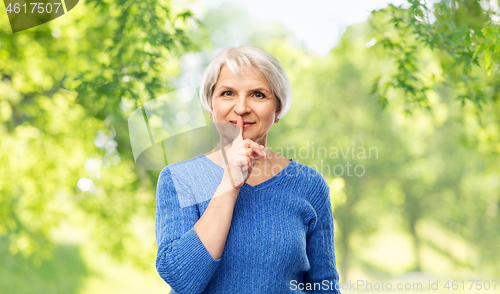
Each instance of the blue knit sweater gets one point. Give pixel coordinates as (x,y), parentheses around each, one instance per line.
(280,239)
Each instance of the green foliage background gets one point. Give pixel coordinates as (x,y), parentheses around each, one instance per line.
(417,83)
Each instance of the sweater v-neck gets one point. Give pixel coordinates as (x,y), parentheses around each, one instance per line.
(249,187)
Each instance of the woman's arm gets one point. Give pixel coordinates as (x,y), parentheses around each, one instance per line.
(321,245)
(213,226)
(182,259)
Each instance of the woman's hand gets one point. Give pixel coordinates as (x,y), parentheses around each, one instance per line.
(240,158)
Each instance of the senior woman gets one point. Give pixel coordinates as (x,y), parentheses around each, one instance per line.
(241,218)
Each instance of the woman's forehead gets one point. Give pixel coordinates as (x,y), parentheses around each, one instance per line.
(235,69)
(226,76)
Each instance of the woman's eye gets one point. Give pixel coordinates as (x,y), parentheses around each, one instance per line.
(224,93)
(259,95)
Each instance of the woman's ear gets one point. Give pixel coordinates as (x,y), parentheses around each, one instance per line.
(211,107)
(278,110)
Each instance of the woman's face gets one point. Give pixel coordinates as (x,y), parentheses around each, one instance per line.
(251,97)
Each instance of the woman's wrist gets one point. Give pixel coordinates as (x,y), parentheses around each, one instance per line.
(227,187)
(226,184)
(225,194)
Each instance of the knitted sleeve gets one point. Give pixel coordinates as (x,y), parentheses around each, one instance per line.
(320,242)
(182,259)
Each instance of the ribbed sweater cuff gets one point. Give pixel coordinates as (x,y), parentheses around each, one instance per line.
(192,258)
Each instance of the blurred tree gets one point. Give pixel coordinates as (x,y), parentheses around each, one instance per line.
(463,34)
(66,90)
(420,160)
(464,30)
(463,37)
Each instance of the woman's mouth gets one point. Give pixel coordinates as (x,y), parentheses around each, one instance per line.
(246,124)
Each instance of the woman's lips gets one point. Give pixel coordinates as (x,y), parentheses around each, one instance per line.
(245,124)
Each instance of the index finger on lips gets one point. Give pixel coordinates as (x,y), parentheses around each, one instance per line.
(239,123)
(238,131)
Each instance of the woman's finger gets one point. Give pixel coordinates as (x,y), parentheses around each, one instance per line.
(239,124)
(252,154)
(254,146)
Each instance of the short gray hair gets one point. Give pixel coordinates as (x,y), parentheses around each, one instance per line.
(252,56)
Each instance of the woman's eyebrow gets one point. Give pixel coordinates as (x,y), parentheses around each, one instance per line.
(255,89)
(261,89)
(224,87)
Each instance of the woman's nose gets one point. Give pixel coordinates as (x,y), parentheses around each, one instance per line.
(241,106)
